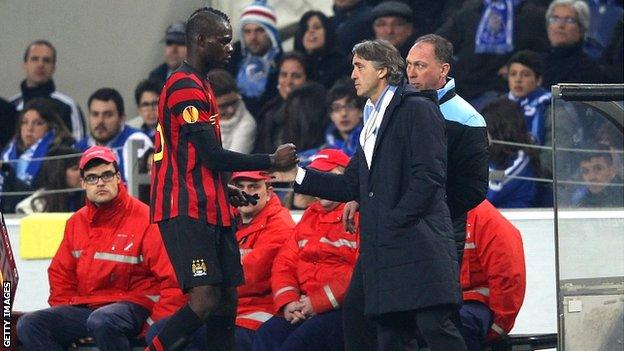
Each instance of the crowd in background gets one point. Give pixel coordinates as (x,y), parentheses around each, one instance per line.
(507,54)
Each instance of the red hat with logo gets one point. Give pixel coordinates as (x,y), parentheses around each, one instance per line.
(328,159)
(101,152)
(252,175)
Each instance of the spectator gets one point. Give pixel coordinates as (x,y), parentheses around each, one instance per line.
(505,123)
(103,283)
(354,22)
(62,173)
(393,21)
(345,112)
(39,129)
(146,96)
(493,276)
(524,77)
(612,61)
(255,57)
(604,187)
(261,230)
(175,52)
(8,119)
(305,115)
(315,39)
(603,18)
(485,33)
(293,73)
(567,22)
(39,66)
(311,274)
(108,128)
(238,127)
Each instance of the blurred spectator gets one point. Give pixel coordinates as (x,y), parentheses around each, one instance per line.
(39,66)
(525,69)
(108,128)
(567,22)
(345,112)
(311,274)
(605,188)
(484,34)
(39,129)
(261,230)
(293,73)
(8,119)
(110,270)
(604,16)
(612,61)
(505,123)
(493,276)
(354,22)
(238,127)
(146,96)
(305,117)
(315,39)
(393,21)
(61,173)
(255,57)
(175,52)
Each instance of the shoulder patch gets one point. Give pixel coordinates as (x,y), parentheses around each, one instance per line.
(190,114)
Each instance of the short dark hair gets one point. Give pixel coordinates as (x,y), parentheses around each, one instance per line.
(40,42)
(202,20)
(222,82)
(530,59)
(345,89)
(596,150)
(150,85)
(108,94)
(297,56)
(382,54)
(443,48)
(96,162)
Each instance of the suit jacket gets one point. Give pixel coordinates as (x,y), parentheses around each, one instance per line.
(408,256)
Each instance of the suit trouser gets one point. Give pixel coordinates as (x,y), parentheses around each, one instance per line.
(396,331)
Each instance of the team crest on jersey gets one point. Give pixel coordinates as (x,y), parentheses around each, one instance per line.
(190,114)
(199,268)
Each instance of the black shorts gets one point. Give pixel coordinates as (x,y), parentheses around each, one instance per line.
(201,254)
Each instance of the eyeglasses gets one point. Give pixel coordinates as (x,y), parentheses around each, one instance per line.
(566,20)
(106,177)
(339,107)
(152,104)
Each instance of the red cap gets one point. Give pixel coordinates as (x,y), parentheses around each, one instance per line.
(101,152)
(328,159)
(253,175)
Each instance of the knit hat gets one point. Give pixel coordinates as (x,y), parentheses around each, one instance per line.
(259,12)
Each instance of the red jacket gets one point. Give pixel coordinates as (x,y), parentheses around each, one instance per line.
(317,261)
(112,253)
(259,241)
(493,269)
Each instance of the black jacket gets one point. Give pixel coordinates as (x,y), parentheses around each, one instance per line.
(160,74)
(8,121)
(407,248)
(569,64)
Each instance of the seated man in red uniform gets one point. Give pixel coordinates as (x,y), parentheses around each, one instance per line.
(493,276)
(311,274)
(109,271)
(262,229)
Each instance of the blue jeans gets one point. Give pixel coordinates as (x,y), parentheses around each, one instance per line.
(244,337)
(321,332)
(57,327)
(476,319)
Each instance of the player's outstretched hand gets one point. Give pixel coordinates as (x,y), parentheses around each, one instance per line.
(239,198)
(285,157)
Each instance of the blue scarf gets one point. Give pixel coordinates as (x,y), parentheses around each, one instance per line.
(26,169)
(534,106)
(495,31)
(335,141)
(254,72)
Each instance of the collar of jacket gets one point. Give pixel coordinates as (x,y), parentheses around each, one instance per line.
(447,92)
(567,50)
(109,211)
(324,216)
(272,207)
(44,90)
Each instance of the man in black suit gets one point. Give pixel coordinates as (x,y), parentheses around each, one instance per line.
(405,281)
